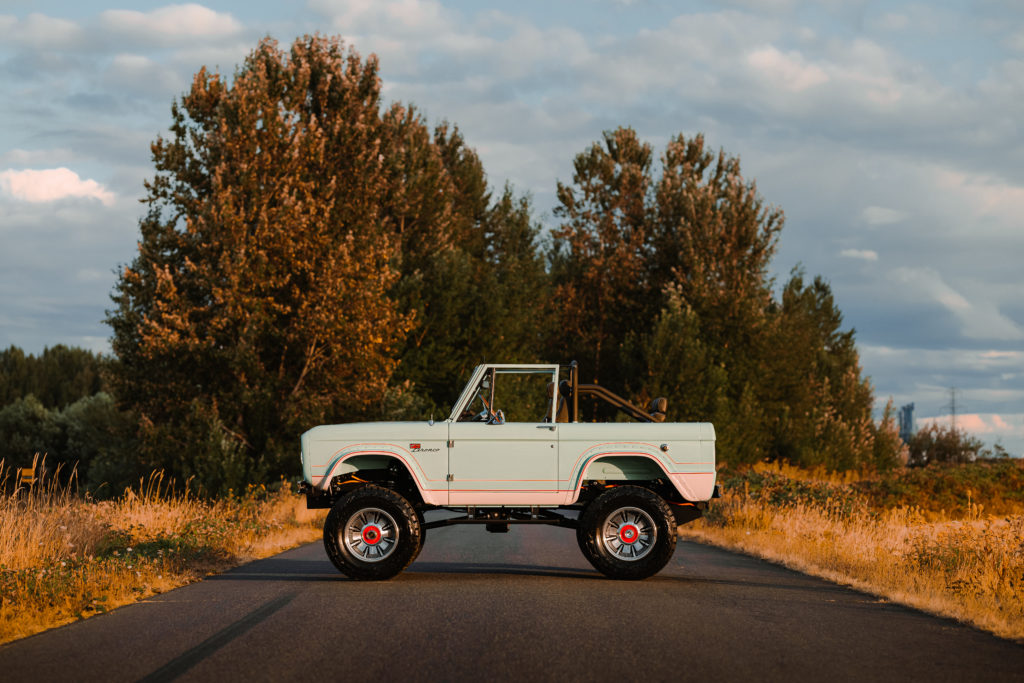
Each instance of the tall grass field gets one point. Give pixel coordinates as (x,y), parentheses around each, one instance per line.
(64,556)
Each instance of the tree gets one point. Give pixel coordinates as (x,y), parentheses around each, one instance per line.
(599,253)
(308,257)
(260,301)
(475,285)
(28,428)
(60,375)
(85,431)
(937,443)
(662,283)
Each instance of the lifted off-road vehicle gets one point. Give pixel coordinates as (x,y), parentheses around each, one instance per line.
(513,451)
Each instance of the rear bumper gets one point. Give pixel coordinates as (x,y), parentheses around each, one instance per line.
(685,512)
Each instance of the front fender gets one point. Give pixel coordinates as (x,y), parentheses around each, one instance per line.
(379,456)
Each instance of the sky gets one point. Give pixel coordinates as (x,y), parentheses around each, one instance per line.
(890,133)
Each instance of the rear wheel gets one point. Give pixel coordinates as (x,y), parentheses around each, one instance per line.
(372,533)
(627,532)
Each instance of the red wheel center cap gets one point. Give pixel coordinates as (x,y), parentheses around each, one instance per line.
(629,533)
(371,535)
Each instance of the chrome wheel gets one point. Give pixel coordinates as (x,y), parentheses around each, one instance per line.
(370,534)
(629,534)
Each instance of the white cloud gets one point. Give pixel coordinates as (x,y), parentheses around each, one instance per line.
(137,73)
(974,360)
(862,254)
(40,31)
(979,319)
(790,71)
(987,196)
(879,215)
(52,184)
(171,24)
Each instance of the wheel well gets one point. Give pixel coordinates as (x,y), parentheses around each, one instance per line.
(619,470)
(623,467)
(380,470)
(657,482)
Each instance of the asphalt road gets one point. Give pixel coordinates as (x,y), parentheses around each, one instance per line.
(518,606)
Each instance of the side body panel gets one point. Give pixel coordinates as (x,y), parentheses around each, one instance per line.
(515,463)
(330,450)
(685,452)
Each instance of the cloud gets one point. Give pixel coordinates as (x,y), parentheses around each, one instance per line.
(1016,41)
(985,359)
(789,71)
(993,425)
(52,184)
(137,73)
(171,24)
(985,195)
(879,215)
(35,157)
(41,32)
(979,319)
(891,21)
(862,254)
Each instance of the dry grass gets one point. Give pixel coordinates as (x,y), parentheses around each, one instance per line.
(65,557)
(971,569)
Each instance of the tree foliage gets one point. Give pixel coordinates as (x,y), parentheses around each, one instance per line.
(937,443)
(301,243)
(661,281)
(259,302)
(57,377)
(310,255)
(90,434)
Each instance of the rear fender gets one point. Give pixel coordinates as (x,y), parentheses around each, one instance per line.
(636,466)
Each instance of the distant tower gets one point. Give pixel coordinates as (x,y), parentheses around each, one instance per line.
(906,422)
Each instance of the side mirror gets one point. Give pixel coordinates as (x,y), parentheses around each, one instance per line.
(497,418)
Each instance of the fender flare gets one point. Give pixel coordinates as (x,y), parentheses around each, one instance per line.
(392,453)
(618,454)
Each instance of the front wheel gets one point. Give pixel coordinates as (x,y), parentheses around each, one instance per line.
(627,532)
(372,533)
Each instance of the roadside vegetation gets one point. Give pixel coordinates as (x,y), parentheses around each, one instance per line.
(64,556)
(947,539)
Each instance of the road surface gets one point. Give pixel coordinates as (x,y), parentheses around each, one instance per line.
(518,606)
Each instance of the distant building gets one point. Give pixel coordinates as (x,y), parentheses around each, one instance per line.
(906,422)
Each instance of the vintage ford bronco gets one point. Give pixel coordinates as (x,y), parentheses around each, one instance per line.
(513,451)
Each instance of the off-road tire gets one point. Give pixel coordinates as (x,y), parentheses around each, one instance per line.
(627,532)
(423,535)
(390,538)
